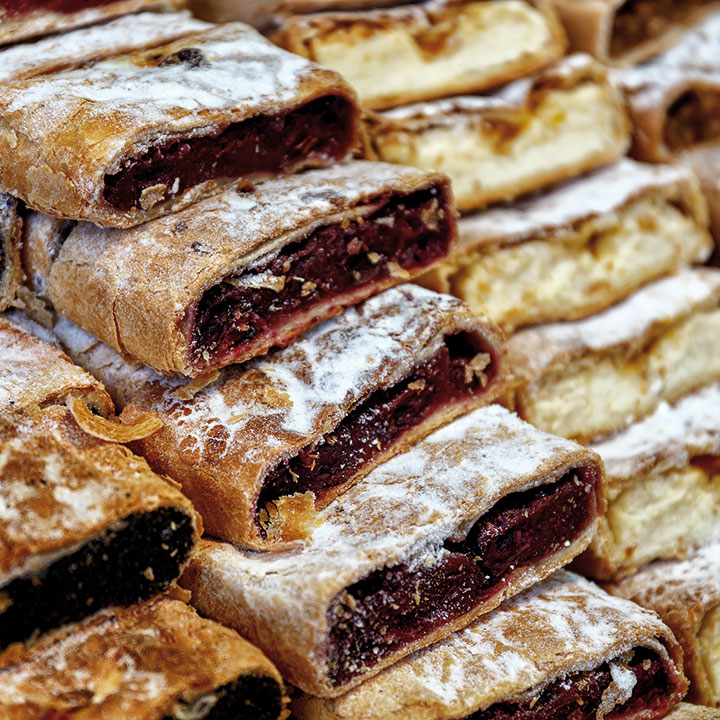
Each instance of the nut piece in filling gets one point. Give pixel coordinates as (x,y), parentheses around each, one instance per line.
(297,428)
(471,515)
(155,131)
(564,649)
(154,661)
(86,525)
(253,270)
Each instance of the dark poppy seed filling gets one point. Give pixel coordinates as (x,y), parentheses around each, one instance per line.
(384,418)
(18,8)
(693,118)
(247,698)
(578,696)
(322,130)
(406,233)
(394,607)
(122,566)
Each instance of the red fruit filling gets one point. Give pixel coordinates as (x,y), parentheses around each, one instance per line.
(17,8)
(397,606)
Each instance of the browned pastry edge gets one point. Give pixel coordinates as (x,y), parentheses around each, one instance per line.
(11,275)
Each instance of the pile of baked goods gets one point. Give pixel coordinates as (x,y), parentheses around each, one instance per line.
(359,360)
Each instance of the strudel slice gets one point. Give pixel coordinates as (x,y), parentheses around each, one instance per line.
(242,272)
(256,447)
(471,515)
(154,661)
(624,32)
(663,487)
(686,595)
(138,136)
(533,132)
(84,524)
(90,44)
(685,711)
(596,376)
(11,274)
(431,49)
(562,650)
(578,248)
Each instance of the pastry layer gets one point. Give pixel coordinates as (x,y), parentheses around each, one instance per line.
(660,344)
(436,48)
(252,270)
(152,661)
(709,645)
(142,135)
(312,418)
(563,122)
(11,275)
(578,248)
(563,649)
(685,711)
(431,539)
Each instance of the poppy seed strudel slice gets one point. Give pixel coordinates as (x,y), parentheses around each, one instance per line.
(578,248)
(562,650)
(471,515)
(594,377)
(83,525)
(155,661)
(139,136)
(257,447)
(237,274)
(11,274)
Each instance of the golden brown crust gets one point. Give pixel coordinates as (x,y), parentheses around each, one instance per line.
(147,662)
(11,274)
(94,119)
(685,711)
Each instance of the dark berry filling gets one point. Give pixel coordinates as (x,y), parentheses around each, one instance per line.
(322,130)
(693,118)
(122,566)
(383,419)
(406,233)
(578,696)
(18,8)
(247,698)
(394,607)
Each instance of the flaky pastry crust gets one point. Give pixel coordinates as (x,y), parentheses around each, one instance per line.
(686,711)
(11,274)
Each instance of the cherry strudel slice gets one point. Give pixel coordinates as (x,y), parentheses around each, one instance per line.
(257,447)
(242,272)
(155,661)
(471,515)
(594,377)
(578,248)
(138,136)
(536,131)
(11,274)
(663,487)
(431,49)
(686,595)
(564,649)
(84,524)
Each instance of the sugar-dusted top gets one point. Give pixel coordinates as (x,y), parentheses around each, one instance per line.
(669,438)
(559,627)
(77,47)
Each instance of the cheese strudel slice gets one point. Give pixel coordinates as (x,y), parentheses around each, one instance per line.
(625,32)
(154,661)
(430,49)
(685,711)
(84,524)
(663,487)
(564,121)
(242,272)
(564,649)
(594,377)
(11,274)
(138,136)
(77,47)
(257,447)
(578,248)
(471,515)
(686,595)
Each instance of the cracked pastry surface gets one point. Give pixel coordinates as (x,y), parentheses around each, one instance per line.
(471,515)
(593,377)
(564,648)
(566,120)
(436,48)
(252,270)
(154,661)
(11,274)
(578,248)
(141,135)
(256,445)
